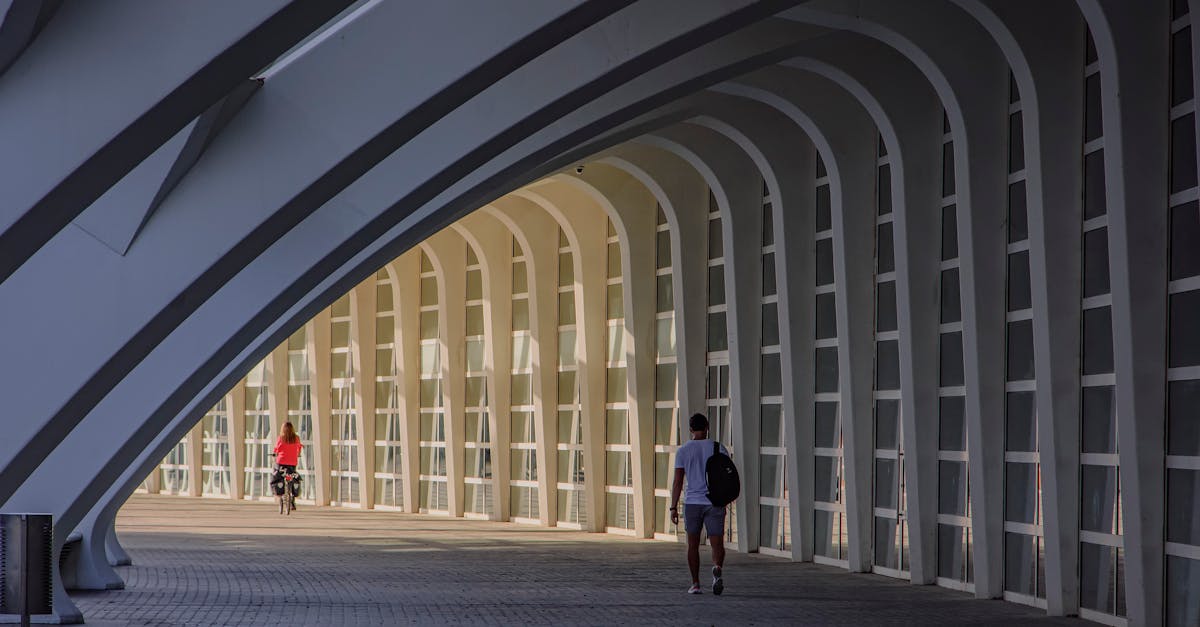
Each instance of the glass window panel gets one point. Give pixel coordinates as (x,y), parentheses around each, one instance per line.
(717,338)
(520,314)
(952,432)
(716,285)
(949,233)
(566,269)
(614,260)
(826,316)
(947,169)
(1095,262)
(521,352)
(771,477)
(1183,422)
(827,369)
(1018,281)
(473,393)
(887,365)
(664,296)
(826,428)
(664,431)
(950,301)
(566,389)
(429,293)
(474,320)
(475,284)
(883,252)
(385,329)
(1016,143)
(772,381)
(768,274)
(1020,422)
(951,359)
(715,244)
(1020,492)
(824,211)
(341,306)
(770,324)
(429,325)
(950,551)
(616,386)
(1183,500)
(768,224)
(566,347)
(885,306)
(1099,420)
(883,190)
(664,337)
(1183,153)
(662,249)
(825,261)
(1100,585)
(566,308)
(825,479)
(664,382)
(522,389)
(1097,341)
(522,427)
(1184,345)
(887,424)
(1020,350)
(952,488)
(1185,240)
(1183,591)
(615,303)
(474,355)
(339,365)
(1093,126)
(617,426)
(520,278)
(771,425)
(339,334)
(1018,215)
(383,297)
(616,343)
(296,341)
(1020,563)
(1094,202)
(885,543)
(384,364)
(886,483)
(1098,496)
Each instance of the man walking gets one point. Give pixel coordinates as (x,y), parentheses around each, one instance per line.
(690,461)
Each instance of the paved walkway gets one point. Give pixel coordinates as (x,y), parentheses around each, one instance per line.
(207,562)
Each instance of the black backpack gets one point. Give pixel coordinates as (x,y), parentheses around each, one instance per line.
(724,485)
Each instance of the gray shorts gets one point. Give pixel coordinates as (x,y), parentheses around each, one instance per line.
(713,519)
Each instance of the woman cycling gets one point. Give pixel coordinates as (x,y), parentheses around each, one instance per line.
(287,454)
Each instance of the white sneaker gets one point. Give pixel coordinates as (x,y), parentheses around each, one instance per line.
(695,589)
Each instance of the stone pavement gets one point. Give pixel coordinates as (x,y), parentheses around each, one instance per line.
(210,562)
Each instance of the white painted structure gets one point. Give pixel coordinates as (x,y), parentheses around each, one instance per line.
(931,267)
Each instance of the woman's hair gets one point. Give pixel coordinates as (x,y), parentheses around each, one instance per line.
(289,434)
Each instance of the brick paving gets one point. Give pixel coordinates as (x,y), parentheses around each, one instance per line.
(208,562)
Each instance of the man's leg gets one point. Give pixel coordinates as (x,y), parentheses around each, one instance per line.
(693,556)
(715,524)
(718,550)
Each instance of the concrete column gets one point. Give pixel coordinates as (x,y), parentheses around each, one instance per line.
(362,354)
(195,449)
(492,241)
(277,389)
(1130,42)
(407,270)
(736,184)
(785,156)
(1045,53)
(235,401)
(317,349)
(585,229)
(634,217)
(448,253)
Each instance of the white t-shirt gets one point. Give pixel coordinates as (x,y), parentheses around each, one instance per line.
(692,457)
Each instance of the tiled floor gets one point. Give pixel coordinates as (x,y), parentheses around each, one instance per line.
(207,562)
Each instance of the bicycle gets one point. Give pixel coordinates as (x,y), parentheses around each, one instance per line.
(291,485)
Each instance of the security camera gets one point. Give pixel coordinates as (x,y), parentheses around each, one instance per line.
(579,169)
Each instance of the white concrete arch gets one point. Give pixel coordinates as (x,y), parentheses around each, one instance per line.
(679,30)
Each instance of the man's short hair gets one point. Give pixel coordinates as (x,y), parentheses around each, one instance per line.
(698,422)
